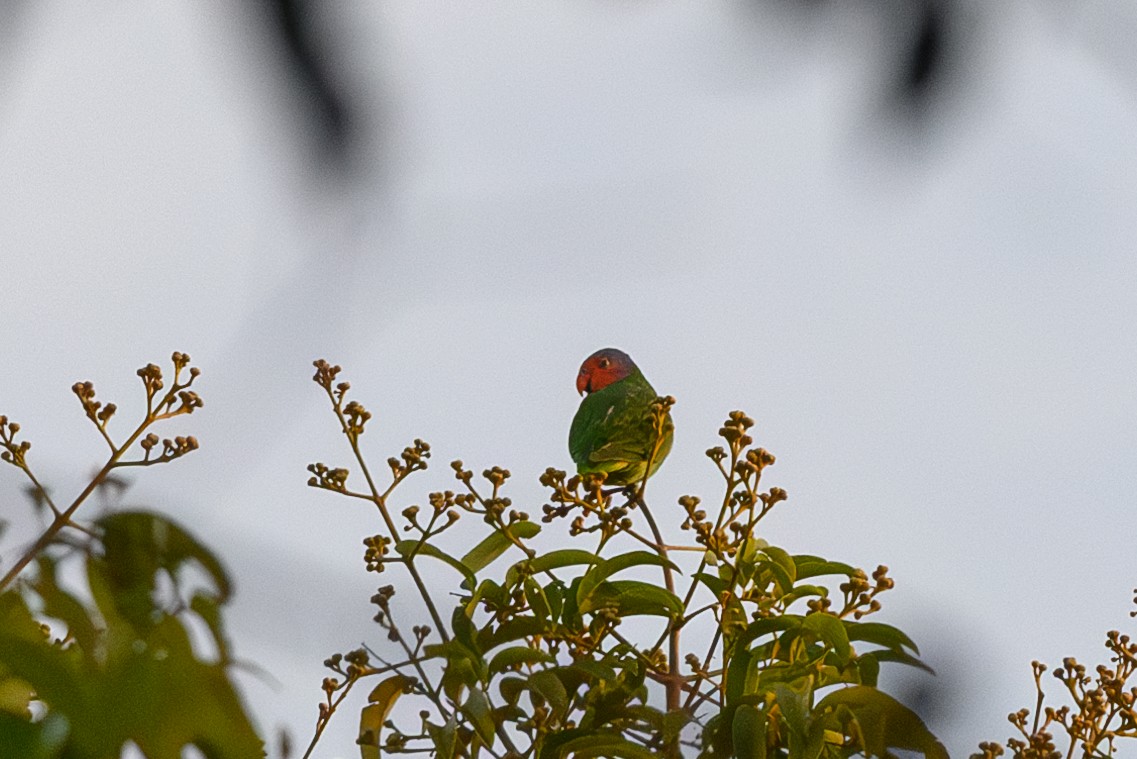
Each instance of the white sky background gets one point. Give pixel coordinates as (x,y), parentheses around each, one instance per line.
(935,334)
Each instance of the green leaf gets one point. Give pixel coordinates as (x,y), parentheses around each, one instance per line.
(548,686)
(794,703)
(411,548)
(884,722)
(477,710)
(444,738)
(464,631)
(783,581)
(748,730)
(782,559)
(868,667)
(462,666)
(389,690)
(738,668)
(815,566)
(495,544)
(631,598)
(518,655)
(535,596)
(831,630)
(714,584)
(370,725)
(555,595)
(563,557)
(380,702)
(899,657)
(609,567)
(511,689)
(880,634)
(509,631)
(603,745)
(594,671)
(738,676)
(804,590)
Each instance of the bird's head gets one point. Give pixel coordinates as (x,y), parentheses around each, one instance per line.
(602,368)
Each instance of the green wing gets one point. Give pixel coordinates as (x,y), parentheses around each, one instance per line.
(612,431)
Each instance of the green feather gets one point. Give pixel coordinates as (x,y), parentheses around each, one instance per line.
(613,432)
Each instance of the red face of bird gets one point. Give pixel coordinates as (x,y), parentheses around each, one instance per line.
(603,368)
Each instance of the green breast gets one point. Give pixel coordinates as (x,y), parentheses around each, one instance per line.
(612,432)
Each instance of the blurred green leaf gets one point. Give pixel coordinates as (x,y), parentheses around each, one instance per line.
(161,682)
(49,671)
(24,739)
(884,722)
(139,543)
(209,609)
(61,605)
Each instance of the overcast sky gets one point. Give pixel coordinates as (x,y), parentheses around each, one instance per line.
(931,322)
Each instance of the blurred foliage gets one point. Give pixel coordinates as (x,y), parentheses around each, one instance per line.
(97,621)
(1103,710)
(575,652)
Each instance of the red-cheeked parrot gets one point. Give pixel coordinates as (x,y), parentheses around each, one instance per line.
(613,430)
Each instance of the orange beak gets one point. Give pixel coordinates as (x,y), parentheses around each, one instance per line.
(582,381)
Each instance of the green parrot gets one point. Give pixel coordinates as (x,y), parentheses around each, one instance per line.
(612,431)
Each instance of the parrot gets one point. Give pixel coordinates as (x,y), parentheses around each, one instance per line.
(613,430)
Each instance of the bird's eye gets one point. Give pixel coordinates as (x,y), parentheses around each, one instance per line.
(604,363)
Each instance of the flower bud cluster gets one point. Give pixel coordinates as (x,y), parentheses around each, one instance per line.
(412,459)
(327,478)
(375,555)
(14,453)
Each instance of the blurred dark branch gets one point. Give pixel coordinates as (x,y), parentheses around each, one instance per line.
(307,56)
